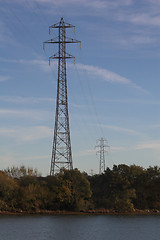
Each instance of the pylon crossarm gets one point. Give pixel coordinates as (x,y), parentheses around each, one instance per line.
(72,40)
(56,56)
(52,40)
(65,25)
(57,40)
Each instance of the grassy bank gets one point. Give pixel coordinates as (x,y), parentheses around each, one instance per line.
(90,212)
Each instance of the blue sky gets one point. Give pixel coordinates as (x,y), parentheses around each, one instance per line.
(113,88)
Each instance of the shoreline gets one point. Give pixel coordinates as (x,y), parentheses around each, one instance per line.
(90,212)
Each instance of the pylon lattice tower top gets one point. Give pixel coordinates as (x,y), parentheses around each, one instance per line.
(61,151)
(103,144)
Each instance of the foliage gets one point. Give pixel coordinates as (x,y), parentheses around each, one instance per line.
(8,192)
(69,190)
(17,172)
(123,188)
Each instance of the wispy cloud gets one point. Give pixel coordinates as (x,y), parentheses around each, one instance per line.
(90,3)
(10,158)
(120,129)
(39,62)
(28,100)
(109,76)
(132,101)
(123,10)
(152,145)
(86,152)
(27,114)
(148,13)
(155,125)
(35,157)
(145,19)
(104,74)
(149,145)
(118,149)
(135,39)
(79,106)
(25,100)
(4,78)
(27,134)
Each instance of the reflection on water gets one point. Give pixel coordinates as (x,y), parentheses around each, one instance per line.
(80,227)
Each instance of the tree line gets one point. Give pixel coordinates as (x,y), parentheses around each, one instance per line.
(122,188)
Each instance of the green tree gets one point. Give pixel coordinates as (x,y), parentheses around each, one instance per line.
(33,197)
(8,192)
(113,190)
(69,190)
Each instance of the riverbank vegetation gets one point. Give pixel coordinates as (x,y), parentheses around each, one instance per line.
(120,189)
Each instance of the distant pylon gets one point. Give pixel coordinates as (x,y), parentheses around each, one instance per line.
(61,151)
(103,143)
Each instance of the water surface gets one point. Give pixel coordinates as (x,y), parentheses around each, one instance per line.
(80,227)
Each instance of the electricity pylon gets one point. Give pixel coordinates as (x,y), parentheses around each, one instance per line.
(61,151)
(102,145)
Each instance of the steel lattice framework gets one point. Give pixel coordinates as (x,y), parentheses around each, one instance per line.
(61,151)
(102,146)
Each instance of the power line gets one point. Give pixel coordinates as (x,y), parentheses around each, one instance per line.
(97,119)
(85,98)
(27,34)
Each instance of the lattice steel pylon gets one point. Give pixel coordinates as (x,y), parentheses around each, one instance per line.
(61,151)
(102,145)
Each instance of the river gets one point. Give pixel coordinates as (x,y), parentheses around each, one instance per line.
(79,227)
